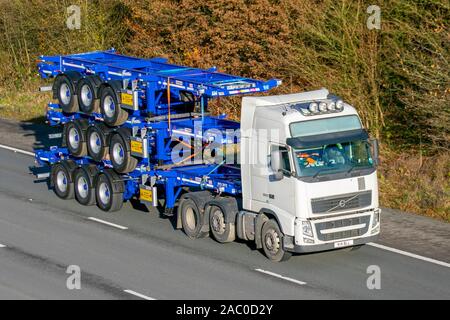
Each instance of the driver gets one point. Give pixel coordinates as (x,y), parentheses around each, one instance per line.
(333,154)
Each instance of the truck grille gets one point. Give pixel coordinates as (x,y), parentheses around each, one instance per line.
(341,202)
(342,223)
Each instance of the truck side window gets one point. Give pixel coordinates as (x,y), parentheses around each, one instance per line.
(285,157)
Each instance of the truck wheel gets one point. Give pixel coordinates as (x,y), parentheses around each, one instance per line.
(74,135)
(272,242)
(222,232)
(97,137)
(112,113)
(86,92)
(191,219)
(84,187)
(65,93)
(120,155)
(107,199)
(62,182)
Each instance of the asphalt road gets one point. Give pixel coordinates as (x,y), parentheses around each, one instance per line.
(43,235)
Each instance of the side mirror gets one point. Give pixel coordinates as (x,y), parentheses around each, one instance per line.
(375,150)
(275,165)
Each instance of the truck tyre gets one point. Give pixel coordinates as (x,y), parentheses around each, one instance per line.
(61,180)
(113,114)
(84,185)
(223,232)
(120,154)
(87,94)
(108,199)
(74,136)
(97,138)
(272,242)
(64,91)
(191,218)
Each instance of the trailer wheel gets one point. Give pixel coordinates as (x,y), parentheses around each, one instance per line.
(223,232)
(61,180)
(120,155)
(112,113)
(84,187)
(97,138)
(87,95)
(272,242)
(191,218)
(107,199)
(65,93)
(74,135)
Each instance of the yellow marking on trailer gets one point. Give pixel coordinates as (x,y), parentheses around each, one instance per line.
(126,98)
(145,194)
(137,146)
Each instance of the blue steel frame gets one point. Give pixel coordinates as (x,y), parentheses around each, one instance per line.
(156,80)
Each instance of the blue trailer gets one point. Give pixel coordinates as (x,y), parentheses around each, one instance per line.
(140,129)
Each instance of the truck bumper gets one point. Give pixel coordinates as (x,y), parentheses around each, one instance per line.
(330,246)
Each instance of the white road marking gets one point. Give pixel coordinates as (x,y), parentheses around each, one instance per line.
(108,223)
(137,294)
(409,254)
(28,153)
(2,246)
(281,277)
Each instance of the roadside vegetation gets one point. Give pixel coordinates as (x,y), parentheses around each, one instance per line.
(398,77)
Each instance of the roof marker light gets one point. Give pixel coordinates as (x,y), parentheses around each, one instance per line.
(313,107)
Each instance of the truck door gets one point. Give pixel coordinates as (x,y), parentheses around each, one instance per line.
(281,193)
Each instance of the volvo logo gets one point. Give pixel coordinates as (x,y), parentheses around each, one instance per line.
(342,203)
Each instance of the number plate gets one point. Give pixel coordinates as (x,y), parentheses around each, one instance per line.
(342,244)
(126,99)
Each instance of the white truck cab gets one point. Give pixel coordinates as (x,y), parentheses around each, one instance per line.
(308,164)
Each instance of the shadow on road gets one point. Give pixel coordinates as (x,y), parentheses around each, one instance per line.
(37,130)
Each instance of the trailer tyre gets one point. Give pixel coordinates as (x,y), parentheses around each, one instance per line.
(62,182)
(87,94)
(84,187)
(107,198)
(120,155)
(74,135)
(112,113)
(97,139)
(223,232)
(272,242)
(191,219)
(65,93)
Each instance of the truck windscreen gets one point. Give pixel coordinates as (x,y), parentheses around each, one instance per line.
(333,158)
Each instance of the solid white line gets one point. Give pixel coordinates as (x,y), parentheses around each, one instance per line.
(137,294)
(281,277)
(108,223)
(409,254)
(2,246)
(28,153)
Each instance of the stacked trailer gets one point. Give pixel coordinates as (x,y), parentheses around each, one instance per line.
(122,118)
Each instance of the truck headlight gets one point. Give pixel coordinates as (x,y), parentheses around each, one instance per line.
(306,228)
(376,218)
